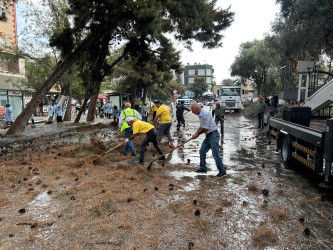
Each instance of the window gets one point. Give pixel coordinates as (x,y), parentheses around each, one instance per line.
(208,80)
(208,71)
(191,80)
(191,72)
(230,92)
(201,72)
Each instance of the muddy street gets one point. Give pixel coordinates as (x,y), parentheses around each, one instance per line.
(53,197)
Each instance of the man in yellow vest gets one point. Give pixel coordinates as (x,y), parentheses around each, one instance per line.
(140,127)
(163,113)
(128,112)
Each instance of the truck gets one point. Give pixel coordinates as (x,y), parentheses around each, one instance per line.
(230,96)
(312,148)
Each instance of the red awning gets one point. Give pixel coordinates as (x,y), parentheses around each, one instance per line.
(100,96)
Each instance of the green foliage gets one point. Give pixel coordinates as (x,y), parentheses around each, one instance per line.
(198,87)
(253,63)
(228,82)
(164,91)
(304,29)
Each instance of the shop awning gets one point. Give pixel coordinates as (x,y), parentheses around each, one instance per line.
(100,96)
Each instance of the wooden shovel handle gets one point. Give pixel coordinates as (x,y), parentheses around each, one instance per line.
(178,146)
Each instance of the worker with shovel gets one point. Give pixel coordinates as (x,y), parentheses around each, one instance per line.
(140,127)
(219,116)
(180,114)
(208,126)
(128,112)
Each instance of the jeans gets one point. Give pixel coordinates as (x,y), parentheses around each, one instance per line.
(129,145)
(217,120)
(150,137)
(164,130)
(211,142)
(261,120)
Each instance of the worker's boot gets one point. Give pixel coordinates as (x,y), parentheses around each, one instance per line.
(171,145)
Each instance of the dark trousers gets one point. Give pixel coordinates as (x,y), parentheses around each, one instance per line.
(154,114)
(261,120)
(59,118)
(150,137)
(213,112)
(144,118)
(180,121)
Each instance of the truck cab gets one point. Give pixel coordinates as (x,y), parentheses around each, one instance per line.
(230,96)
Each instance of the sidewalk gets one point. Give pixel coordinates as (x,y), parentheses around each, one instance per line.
(45,130)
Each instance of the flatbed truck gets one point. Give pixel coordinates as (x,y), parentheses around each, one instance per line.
(310,147)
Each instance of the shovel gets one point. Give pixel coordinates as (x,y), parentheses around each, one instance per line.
(108,151)
(178,146)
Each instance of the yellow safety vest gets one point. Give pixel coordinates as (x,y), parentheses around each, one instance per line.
(126,113)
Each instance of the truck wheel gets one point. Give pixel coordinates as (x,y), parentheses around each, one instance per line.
(236,110)
(286,151)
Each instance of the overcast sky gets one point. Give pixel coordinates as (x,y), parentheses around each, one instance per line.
(252,19)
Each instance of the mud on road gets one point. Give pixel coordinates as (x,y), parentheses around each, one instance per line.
(53,197)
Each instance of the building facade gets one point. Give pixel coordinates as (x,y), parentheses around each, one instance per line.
(11,72)
(199,71)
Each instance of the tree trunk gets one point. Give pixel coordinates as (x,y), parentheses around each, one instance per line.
(22,120)
(145,91)
(133,94)
(67,91)
(83,106)
(92,108)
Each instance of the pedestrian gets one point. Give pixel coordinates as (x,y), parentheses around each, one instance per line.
(213,107)
(180,114)
(219,116)
(274,102)
(107,106)
(261,108)
(8,115)
(154,108)
(141,127)
(58,111)
(172,107)
(267,101)
(163,114)
(32,119)
(128,112)
(50,112)
(208,126)
(110,110)
(101,111)
(115,113)
(98,107)
(144,113)
(77,107)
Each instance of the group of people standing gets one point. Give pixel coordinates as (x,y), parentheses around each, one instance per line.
(55,108)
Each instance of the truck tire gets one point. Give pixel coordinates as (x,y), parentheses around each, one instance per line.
(286,151)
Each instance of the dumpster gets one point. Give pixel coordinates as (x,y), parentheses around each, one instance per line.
(299,115)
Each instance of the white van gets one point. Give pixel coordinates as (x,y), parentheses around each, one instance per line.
(187,101)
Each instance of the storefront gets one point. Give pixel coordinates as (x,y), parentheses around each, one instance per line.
(14,98)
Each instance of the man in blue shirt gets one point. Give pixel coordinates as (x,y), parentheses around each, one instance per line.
(208,126)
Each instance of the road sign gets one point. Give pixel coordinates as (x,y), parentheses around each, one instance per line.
(175,95)
(175,92)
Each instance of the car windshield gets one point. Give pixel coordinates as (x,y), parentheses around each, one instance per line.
(230,92)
